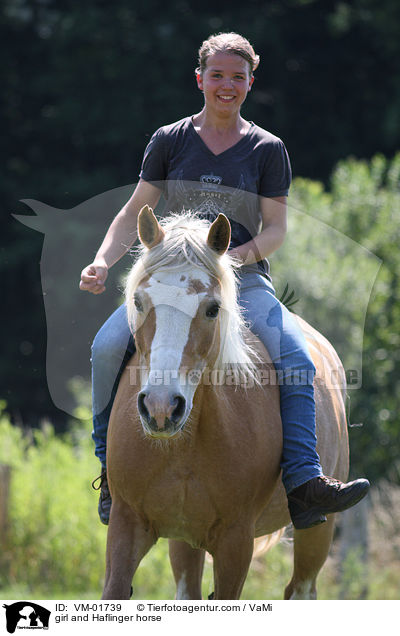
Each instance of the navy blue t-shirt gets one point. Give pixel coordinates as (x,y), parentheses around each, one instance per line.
(193,178)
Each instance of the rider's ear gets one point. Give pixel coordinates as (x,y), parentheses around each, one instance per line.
(219,235)
(199,80)
(149,230)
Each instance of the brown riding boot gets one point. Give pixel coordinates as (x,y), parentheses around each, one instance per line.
(310,502)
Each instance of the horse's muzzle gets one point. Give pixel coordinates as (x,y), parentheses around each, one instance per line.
(162,413)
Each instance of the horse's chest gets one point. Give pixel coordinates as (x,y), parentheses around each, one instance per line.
(178,505)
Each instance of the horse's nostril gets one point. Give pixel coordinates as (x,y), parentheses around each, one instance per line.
(179,410)
(143,410)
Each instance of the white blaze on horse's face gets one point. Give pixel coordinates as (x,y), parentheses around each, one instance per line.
(176,337)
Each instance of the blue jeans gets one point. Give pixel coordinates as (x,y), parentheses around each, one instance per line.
(277,329)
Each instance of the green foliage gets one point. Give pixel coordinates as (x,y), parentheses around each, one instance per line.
(353,576)
(53,536)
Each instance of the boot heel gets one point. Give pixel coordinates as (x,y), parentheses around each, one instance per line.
(308,519)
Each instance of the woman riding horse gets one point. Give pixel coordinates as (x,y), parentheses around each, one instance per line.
(208,162)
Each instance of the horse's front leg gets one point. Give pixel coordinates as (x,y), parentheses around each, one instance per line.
(311,548)
(127,543)
(187,565)
(232,556)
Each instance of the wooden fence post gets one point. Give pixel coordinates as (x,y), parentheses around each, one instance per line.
(5,476)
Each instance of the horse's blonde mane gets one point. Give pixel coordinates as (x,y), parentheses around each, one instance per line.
(185,243)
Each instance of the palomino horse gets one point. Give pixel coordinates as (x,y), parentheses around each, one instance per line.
(193,458)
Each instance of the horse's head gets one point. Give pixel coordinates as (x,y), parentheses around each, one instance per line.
(174,300)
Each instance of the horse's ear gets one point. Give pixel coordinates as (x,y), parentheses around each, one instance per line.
(219,235)
(149,230)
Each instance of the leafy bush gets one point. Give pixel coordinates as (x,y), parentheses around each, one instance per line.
(54,539)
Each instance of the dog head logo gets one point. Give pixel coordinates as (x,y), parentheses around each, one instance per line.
(26,615)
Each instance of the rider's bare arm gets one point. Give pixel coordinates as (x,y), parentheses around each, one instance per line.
(120,236)
(272,235)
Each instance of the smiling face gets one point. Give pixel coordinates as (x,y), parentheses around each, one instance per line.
(225,82)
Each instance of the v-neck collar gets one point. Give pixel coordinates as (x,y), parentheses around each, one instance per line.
(220,154)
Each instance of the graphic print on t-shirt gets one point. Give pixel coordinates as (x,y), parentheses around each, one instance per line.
(208,198)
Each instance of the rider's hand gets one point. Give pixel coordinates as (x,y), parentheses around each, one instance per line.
(239,258)
(93,278)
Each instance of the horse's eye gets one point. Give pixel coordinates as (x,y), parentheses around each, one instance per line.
(212,310)
(138,303)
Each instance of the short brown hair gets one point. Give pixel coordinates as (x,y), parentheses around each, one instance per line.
(227,43)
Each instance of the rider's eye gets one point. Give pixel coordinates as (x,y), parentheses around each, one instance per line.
(138,303)
(212,310)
